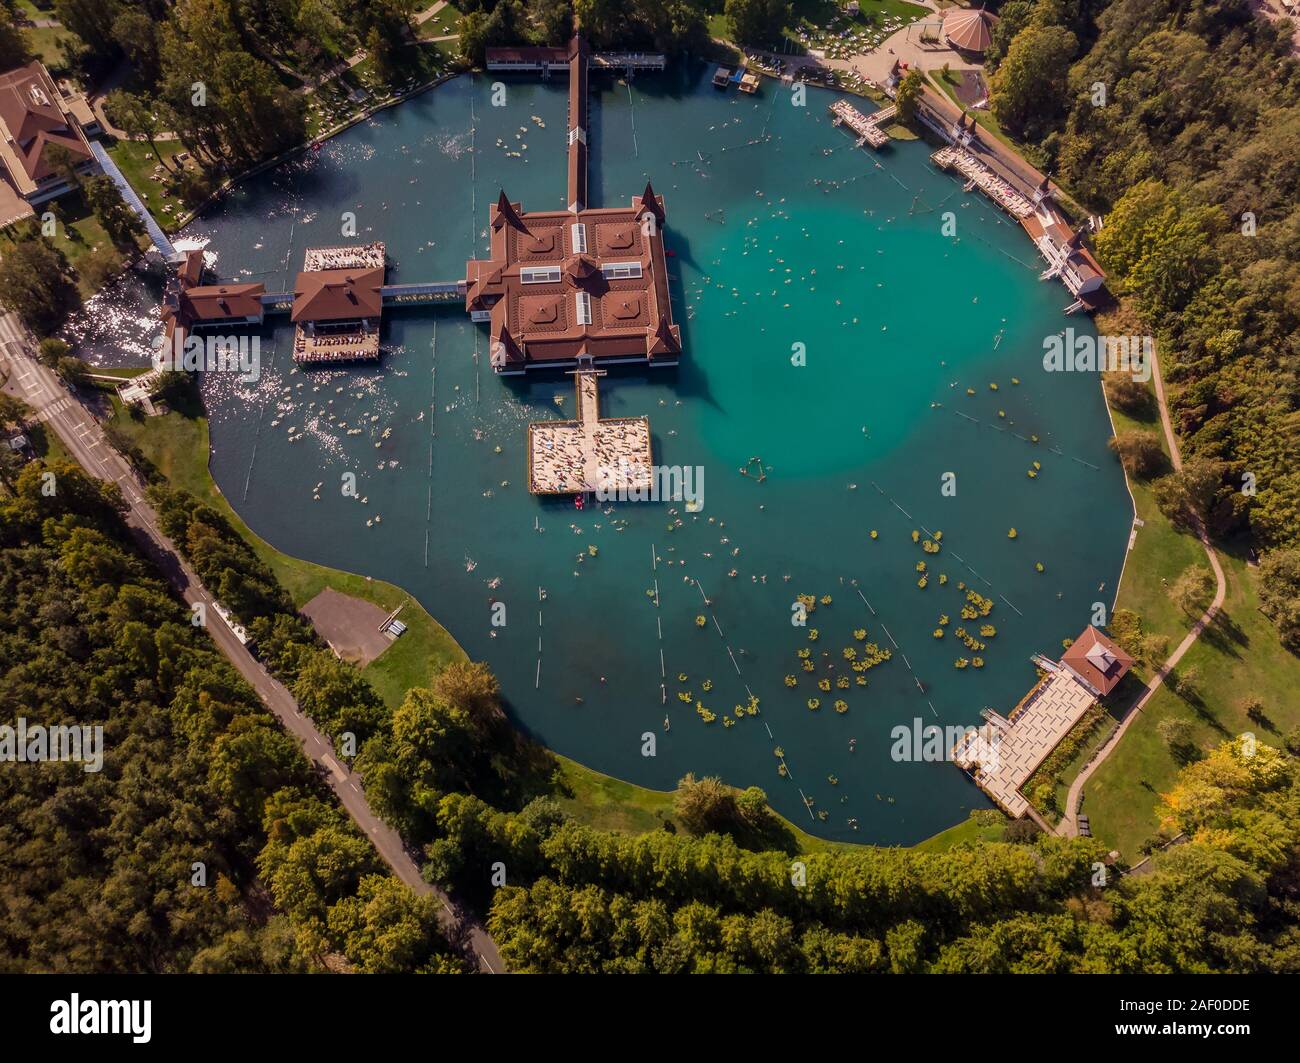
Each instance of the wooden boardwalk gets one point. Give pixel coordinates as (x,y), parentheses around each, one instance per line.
(1001,191)
(1003,755)
(868,128)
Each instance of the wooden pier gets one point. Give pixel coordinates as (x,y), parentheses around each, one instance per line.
(998,189)
(591,453)
(868,128)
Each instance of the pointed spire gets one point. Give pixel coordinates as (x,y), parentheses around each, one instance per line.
(504,349)
(662,340)
(650,202)
(506,214)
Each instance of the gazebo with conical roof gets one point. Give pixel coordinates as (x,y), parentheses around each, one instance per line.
(969,30)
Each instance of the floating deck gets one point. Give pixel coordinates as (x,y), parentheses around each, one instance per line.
(574,457)
(343,347)
(867,127)
(365,256)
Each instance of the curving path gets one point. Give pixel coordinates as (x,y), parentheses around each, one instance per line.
(1069,825)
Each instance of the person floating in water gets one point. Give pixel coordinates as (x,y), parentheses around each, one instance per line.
(853,745)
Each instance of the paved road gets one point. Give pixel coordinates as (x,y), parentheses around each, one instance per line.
(81,433)
(1069,825)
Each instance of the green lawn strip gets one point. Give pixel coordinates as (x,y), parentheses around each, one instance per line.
(136,160)
(1239,656)
(1058,763)
(983,825)
(606,803)
(1082,756)
(120,373)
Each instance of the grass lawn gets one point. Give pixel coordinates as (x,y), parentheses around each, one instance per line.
(47,444)
(77,232)
(1239,655)
(607,803)
(136,160)
(985,825)
(815,16)
(44,44)
(443,23)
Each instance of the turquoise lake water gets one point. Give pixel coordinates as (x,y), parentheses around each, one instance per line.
(782,233)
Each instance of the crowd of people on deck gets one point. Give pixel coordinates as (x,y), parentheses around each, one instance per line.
(1000,191)
(367,256)
(560,453)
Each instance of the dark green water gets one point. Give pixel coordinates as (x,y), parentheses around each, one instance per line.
(783,233)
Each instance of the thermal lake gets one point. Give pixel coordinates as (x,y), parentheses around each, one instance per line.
(831,334)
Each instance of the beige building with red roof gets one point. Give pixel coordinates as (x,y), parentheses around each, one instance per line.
(223,304)
(561,285)
(188,305)
(338,304)
(1097,661)
(1002,756)
(35,118)
(587,284)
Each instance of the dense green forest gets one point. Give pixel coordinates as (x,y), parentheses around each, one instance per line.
(1179,121)
(731,892)
(205,843)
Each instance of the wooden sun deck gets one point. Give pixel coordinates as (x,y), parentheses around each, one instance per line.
(321,348)
(364,256)
(575,457)
(1002,755)
(998,189)
(868,128)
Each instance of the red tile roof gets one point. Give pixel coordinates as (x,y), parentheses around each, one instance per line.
(337,294)
(1096,658)
(631,317)
(32,114)
(968,30)
(216,302)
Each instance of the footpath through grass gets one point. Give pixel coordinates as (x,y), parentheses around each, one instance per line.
(1237,657)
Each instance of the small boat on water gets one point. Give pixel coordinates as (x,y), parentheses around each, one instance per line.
(722,77)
